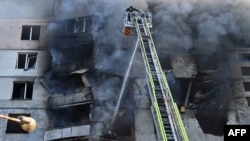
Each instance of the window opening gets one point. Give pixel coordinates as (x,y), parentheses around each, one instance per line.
(26,61)
(30,32)
(248,100)
(22,90)
(82,25)
(79,25)
(14,127)
(246,86)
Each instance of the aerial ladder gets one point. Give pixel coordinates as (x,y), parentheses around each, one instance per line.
(167,119)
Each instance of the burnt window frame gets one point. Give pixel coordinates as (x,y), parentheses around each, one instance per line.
(26,63)
(84,23)
(79,25)
(31,32)
(13,127)
(27,92)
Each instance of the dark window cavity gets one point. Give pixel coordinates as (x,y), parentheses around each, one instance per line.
(79,26)
(30,32)
(22,90)
(248,100)
(14,127)
(26,61)
(246,86)
(82,25)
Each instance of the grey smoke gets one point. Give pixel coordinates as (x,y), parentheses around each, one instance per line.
(178,27)
(171,29)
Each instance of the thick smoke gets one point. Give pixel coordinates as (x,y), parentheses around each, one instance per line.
(179,26)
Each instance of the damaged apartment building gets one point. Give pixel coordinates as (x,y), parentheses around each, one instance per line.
(70,94)
(48,72)
(63,111)
(77,90)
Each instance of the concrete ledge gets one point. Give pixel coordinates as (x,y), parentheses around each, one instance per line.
(61,100)
(83,130)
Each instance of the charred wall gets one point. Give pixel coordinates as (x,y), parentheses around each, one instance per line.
(72,41)
(205,29)
(209,38)
(71,49)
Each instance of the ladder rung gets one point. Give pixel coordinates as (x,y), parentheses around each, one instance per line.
(161,104)
(170,138)
(164,115)
(168,131)
(167,126)
(162,109)
(153,66)
(157,88)
(158,93)
(165,122)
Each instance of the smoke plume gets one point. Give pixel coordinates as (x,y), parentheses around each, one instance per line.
(179,26)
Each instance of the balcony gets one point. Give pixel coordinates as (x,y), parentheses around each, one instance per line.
(67,100)
(67,132)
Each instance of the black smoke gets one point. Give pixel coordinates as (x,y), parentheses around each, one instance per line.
(205,29)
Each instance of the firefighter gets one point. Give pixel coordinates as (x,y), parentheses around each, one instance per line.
(131,9)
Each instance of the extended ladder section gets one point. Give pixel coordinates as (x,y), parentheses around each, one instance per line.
(168,122)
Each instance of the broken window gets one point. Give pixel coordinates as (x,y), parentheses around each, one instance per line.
(14,127)
(26,61)
(30,32)
(22,90)
(81,25)
(246,86)
(245,71)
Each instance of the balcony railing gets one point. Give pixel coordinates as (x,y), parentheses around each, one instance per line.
(67,132)
(67,100)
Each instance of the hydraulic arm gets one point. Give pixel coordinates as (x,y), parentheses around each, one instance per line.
(168,123)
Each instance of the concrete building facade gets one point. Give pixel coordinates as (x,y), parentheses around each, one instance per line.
(47,72)
(24,60)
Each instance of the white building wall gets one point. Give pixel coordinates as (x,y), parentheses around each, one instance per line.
(10,45)
(8,59)
(11,29)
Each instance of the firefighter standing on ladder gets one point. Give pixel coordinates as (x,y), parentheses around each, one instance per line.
(131,9)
